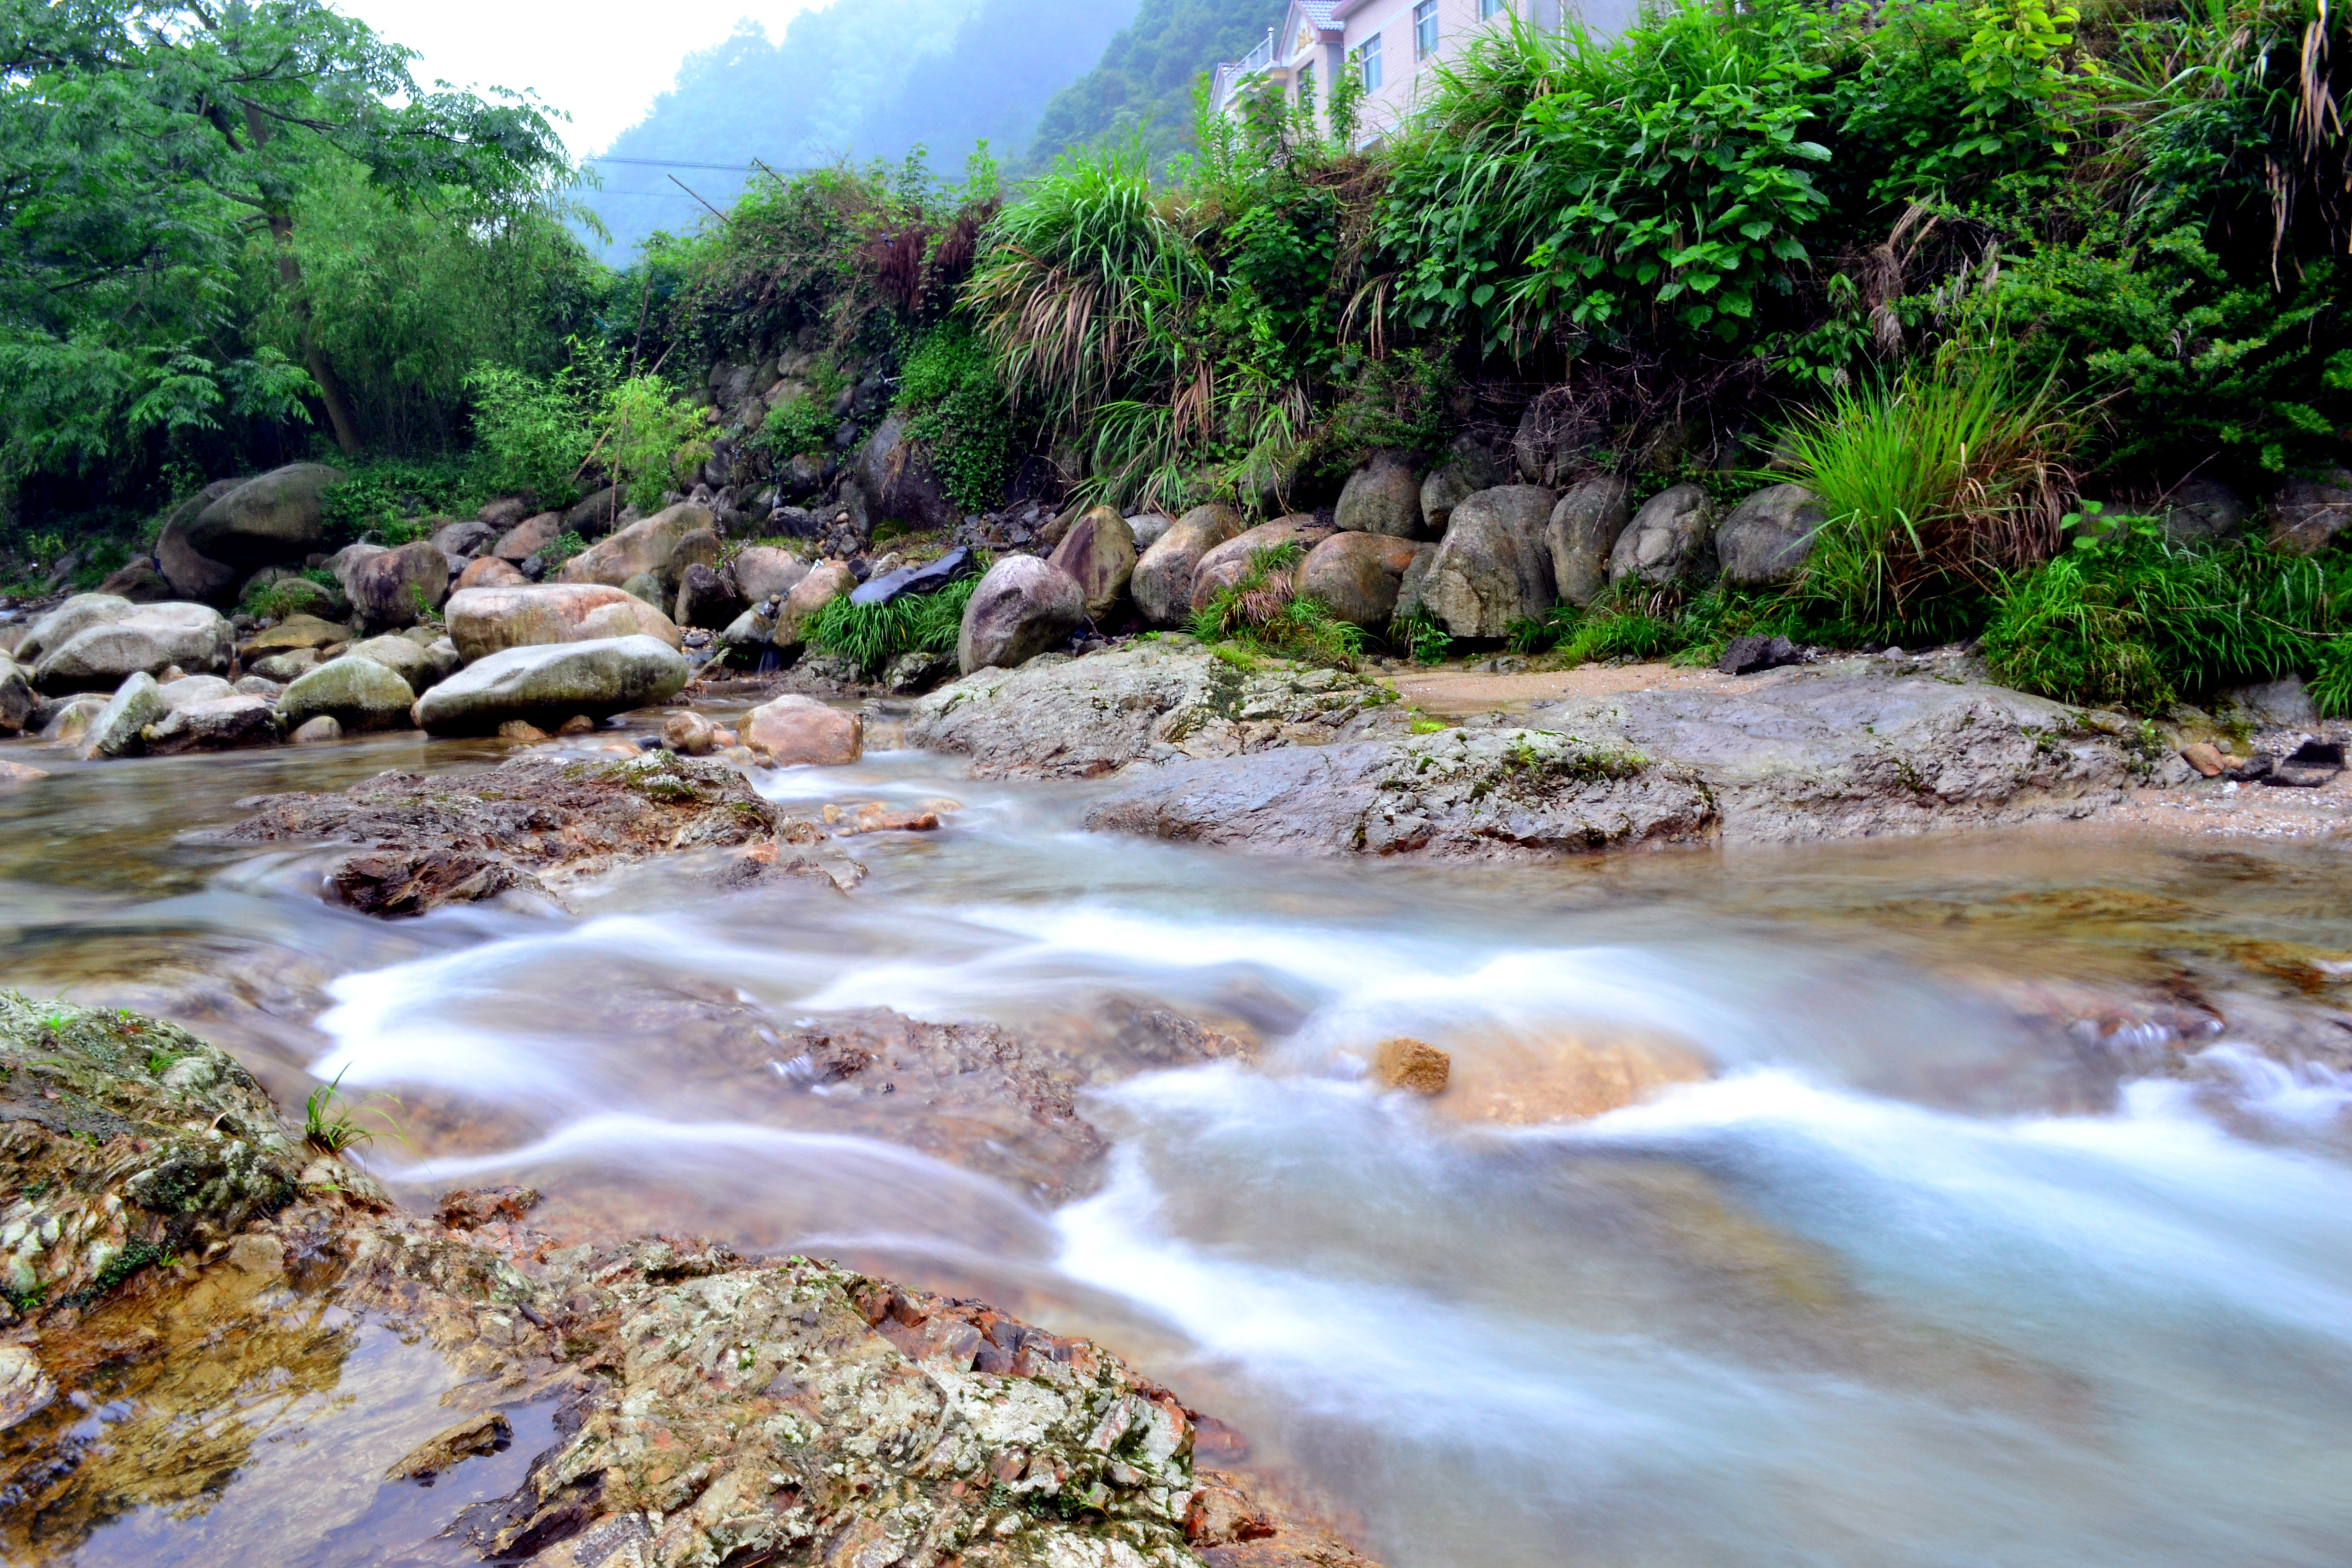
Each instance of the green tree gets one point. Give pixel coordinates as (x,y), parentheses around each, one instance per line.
(143,146)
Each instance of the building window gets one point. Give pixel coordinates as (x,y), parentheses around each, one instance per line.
(1489,10)
(1368,62)
(1306,87)
(1425,29)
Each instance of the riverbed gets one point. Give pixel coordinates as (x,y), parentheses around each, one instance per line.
(1976,1199)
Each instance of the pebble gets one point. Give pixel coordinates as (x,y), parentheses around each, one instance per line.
(1412,1065)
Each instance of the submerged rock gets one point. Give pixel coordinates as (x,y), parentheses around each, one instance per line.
(524,825)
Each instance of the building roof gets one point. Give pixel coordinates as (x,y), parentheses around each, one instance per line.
(1319,15)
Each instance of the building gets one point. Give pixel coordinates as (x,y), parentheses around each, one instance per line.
(1391,46)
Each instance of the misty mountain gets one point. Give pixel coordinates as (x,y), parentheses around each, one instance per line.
(859,78)
(1145,79)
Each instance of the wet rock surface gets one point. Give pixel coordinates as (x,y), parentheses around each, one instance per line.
(1461,795)
(1169,700)
(654,1401)
(526,826)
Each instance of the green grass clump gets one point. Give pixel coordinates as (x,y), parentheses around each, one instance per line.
(330,1126)
(2124,619)
(1262,610)
(1934,483)
(871,636)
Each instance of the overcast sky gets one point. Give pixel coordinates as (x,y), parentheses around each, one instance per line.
(600,61)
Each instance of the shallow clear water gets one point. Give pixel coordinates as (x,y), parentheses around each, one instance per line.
(1918,1247)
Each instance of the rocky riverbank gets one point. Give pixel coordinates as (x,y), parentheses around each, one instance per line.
(172,1246)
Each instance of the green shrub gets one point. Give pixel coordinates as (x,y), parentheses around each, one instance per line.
(947,383)
(653,440)
(533,433)
(1419,636)
(378,499)
(871,636)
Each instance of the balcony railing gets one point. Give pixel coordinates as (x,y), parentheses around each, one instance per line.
(1233,73)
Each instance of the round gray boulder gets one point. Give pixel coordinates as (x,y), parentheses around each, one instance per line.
(1022,608)
(396,588)
(357,693)
(1494,566)
(2201,513)
(1162,583)
(92,642)
(1583,529)
(273,518)
(1382,496)
(1355,576)
(1765,540)
(555,682)
(115,732)
(1668,541)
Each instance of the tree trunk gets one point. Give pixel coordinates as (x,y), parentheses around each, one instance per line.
(314,359)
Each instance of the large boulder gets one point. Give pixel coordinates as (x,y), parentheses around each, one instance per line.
(1227,563)
(293,633)
(489,572)
(1022,608)
(1765,540)
(484,621)
(194,576)
(528,538)
(2201,513)
(270,519)
(2307,515)
(708,598)
(468,539)
(890,480)
(1355,576)
(1098,553)
(555,683)
(115,732)
(1162,583)
(93,641)
(1148,527)
(800,731)
(825,582)
(1382,496)
(191,689)
(1469,469)
(597,515)
(17,699)
(357,693)
(1671,540)
(219,724)
(397,587)
(1493,568)
(1584,528)
(762,572)
(422,664)
(644,547)
(139,581)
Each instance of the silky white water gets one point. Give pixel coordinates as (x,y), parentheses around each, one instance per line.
(1946,1243)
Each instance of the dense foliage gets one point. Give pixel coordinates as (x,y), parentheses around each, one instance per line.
(224,224)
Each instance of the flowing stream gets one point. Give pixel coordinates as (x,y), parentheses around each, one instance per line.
(1917,1246)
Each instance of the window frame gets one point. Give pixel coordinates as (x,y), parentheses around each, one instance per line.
(1426,33)
(1369,65)
(1490,9)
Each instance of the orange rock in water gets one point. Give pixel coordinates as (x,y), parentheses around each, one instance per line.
(797,731)
(1521,1082)
(521,730)
(2205,759)
(578,724)
(876,817)
(1412,1065)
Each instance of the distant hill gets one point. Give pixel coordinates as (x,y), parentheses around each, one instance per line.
(859,78)
(1145,78)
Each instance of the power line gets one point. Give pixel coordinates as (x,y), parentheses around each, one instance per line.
(667,164)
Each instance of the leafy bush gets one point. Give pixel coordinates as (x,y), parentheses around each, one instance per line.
(533,434)
(378,499)
(949,384)
(871,636)
(653,440)
(1419,636)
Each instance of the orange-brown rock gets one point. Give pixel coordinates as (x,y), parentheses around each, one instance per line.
(1522,1082)
(491,572)
(486,620)
(1412,1065)
(800,731)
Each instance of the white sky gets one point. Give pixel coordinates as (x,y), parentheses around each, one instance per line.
(600,61)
